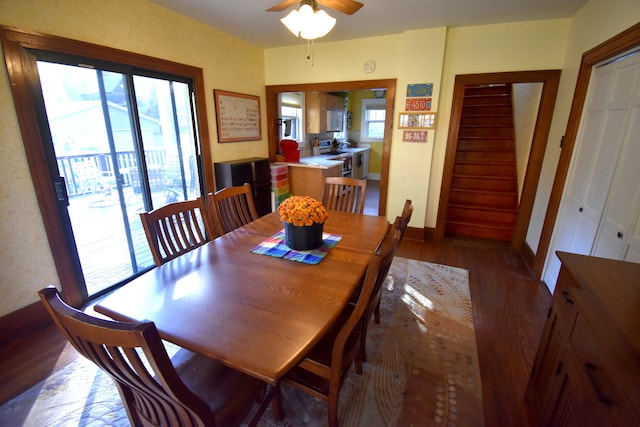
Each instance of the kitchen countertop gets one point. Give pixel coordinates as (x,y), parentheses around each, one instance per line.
(322,161)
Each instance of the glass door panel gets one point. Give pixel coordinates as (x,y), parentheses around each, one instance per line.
(121,152)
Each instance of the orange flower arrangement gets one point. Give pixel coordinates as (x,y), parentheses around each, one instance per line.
(302,211)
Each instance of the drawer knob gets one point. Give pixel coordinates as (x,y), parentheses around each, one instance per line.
(620,235)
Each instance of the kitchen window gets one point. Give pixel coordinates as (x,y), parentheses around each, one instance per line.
(373,117)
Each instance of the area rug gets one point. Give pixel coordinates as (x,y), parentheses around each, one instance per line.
(422,364)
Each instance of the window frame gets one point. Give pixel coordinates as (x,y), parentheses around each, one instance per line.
(367,103)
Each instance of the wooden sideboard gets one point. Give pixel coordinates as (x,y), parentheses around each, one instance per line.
(587,367)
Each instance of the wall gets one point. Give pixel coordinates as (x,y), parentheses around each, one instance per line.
(526,102)
(133,25)
(395,57)
(595,23)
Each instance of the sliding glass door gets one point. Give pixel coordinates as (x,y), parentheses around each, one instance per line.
(121,142)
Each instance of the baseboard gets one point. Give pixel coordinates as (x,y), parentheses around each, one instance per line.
(421,234)
(528,256)
(23,321)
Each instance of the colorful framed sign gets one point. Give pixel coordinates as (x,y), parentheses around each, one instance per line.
(417,104)
(414,136)
(412,120)
(237,116)
(418,90)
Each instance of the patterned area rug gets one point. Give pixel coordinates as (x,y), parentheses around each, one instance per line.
(421,364)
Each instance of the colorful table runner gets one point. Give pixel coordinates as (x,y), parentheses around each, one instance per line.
(274,246)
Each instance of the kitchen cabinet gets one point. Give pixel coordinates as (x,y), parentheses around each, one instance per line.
(586,370)
(309,181)
(317,104)
(255,171)
(361,163)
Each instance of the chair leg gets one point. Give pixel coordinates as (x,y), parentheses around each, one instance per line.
(376,313)
(277,407)
(332,407)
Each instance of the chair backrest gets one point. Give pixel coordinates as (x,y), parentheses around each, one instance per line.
(386,251)
(344,194)
(402,221)
(232,207)
(151,389)
(176,228)
(348,340)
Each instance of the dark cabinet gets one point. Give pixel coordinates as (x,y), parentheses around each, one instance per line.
(587,368)
(255,171)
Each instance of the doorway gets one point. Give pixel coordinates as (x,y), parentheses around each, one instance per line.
(550,80)
(274,128)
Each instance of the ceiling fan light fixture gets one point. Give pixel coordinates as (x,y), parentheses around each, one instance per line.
(308,23)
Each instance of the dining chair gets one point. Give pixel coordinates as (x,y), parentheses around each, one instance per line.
(401,222)
(344,194)
(176,228)
(325,366)
(232,207)
(186,390)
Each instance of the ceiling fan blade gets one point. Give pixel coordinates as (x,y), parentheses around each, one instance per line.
(348,7)
(282,5)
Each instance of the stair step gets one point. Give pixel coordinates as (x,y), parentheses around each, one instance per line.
(484,168)
(485,156)
(492,120)
(497,144)
(486,110)
(487,90)
(485,132)
(478,231)
(487,100)
(480,198)
(481,215)
(471,182)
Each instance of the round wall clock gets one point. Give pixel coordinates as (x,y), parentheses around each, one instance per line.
(369,66)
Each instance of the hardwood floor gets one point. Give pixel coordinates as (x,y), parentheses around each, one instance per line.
(509,313)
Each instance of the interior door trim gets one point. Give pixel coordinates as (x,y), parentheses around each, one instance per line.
(609,49)
(272,93)
(550,80)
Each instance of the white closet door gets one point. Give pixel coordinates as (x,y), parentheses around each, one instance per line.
(623,203)
(602,131)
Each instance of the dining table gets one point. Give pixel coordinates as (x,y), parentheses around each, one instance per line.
(256,313)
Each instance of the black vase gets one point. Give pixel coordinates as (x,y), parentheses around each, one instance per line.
(303,238)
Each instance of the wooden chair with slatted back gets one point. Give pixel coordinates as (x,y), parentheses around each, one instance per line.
(232,207)
(197,391)
(344,194)
(324,368)
(176,228)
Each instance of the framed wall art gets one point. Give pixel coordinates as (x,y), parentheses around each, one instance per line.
(422,120)
(237,116)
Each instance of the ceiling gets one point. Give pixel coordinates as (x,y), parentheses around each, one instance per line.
(248,19)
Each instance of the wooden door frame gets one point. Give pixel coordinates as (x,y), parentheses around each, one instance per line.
(550,80)
(272,93)
(605,51)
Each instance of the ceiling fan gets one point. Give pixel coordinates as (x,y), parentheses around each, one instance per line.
(348,7)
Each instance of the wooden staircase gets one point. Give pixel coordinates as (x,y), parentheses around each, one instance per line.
(483,197)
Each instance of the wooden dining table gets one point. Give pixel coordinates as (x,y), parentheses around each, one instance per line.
(255,313)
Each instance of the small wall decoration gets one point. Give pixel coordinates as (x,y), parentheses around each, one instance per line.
(414,136)
(237,116)
(421,89)
(417,120)
(417,104)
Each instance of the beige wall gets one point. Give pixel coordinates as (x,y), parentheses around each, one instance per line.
(410,57)
(133,25)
